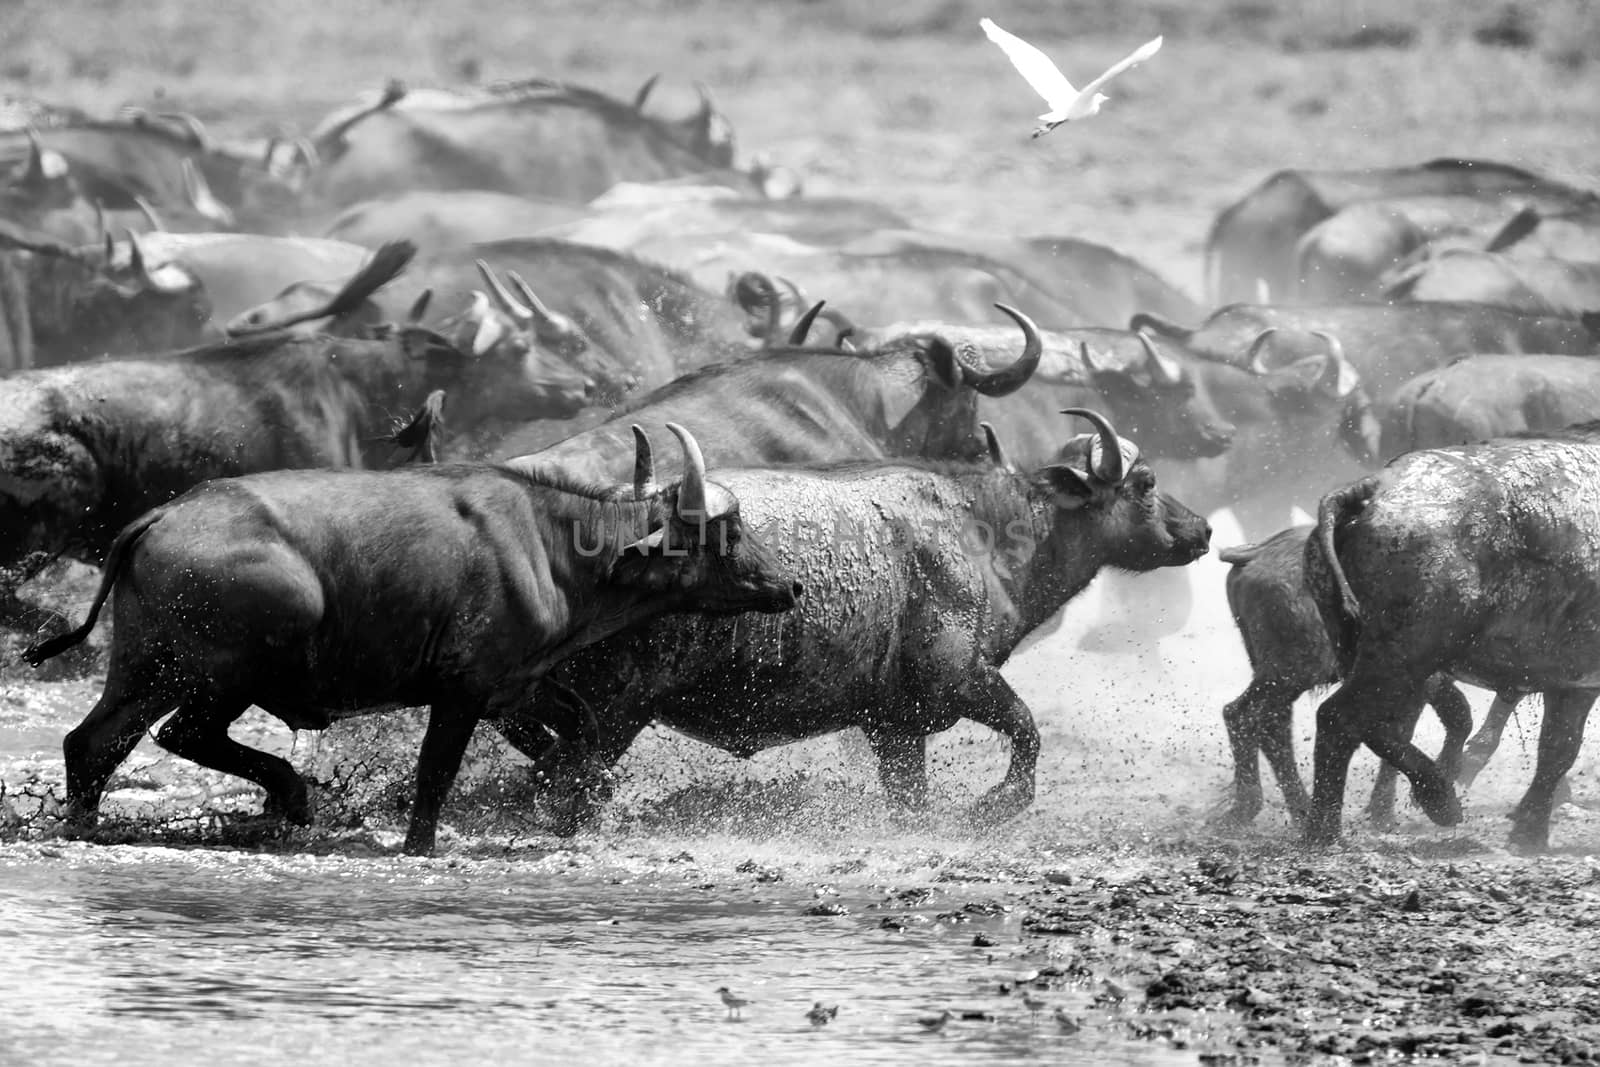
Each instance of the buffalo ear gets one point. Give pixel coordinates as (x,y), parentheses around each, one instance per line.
(941,360)
(1070,488)
(648,545)
(420,343)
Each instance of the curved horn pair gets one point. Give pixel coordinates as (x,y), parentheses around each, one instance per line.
(691,503)
(1009,379)
(502,295)
(1110,468)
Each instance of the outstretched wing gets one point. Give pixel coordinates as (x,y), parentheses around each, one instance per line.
(1133,59)
(1034,66)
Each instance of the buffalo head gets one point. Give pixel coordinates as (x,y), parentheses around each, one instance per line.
(697,554)
(1159,398)
(1102,476)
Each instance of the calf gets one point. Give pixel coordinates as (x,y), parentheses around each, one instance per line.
(1290,654)
(923,580)
(320,595)
(1482,561)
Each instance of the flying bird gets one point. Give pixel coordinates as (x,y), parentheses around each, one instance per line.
(1066,103)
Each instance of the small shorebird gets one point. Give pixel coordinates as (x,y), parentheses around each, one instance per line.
(735,1005)
(935,1023)
(820,1016)
(1068,1023)
(1066,103)
(1033,1004)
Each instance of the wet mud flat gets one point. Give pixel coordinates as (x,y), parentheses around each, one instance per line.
(1440,949)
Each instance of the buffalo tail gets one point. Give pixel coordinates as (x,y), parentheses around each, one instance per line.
(1341,616)
(34,655)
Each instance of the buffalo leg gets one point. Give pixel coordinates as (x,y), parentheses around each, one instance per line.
(1380,806)
(1353,714)
(443,746)
(199,733)
(1455,714)
(993,703)
(902,766)
(1259,722)
(96,747)
(1560,735)
(1487,739)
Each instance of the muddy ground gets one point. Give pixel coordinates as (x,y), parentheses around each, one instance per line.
(1415,940)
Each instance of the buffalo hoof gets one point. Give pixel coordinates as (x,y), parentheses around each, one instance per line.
(1236,817)
(1528,839)
(297,807)
(1001,803)
(1439,804)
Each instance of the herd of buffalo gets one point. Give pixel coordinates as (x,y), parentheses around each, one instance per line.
(242,424)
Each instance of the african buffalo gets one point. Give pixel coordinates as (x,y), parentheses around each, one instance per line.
(159,291)
(436,220)
(1490,396)
(1252,242)
(622,321)
(912,396)
(1290,655)
(1481,561)
(1542,286)
(536,137)
(85,448)
(921,580)
(320,595)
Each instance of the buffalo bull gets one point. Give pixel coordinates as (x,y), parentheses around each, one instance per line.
(1544,286)
(535,137)
(319,595)
(912,396)
(86,448)
(920,583)
(620,320)
(1252,242)
(1490,396)
(1481,561)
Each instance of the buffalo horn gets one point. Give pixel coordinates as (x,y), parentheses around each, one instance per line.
(190,125)
(135,254)
(502,294)
(419,307)
(997,451)
(1012,378)
(644,465)
(644,91)
(1110,469)
(100,220)
(548,319)
(1168,370)
(797,336)
(149,213)
(1253,356)
(708,104)
(33,171)
(692,490)
(1334,376)
(200,195)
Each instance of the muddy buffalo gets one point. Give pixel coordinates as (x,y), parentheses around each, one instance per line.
(921,581)
(1482,561)
(318,595)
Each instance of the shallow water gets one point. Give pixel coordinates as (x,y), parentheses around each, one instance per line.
(610,948)
(142,955)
